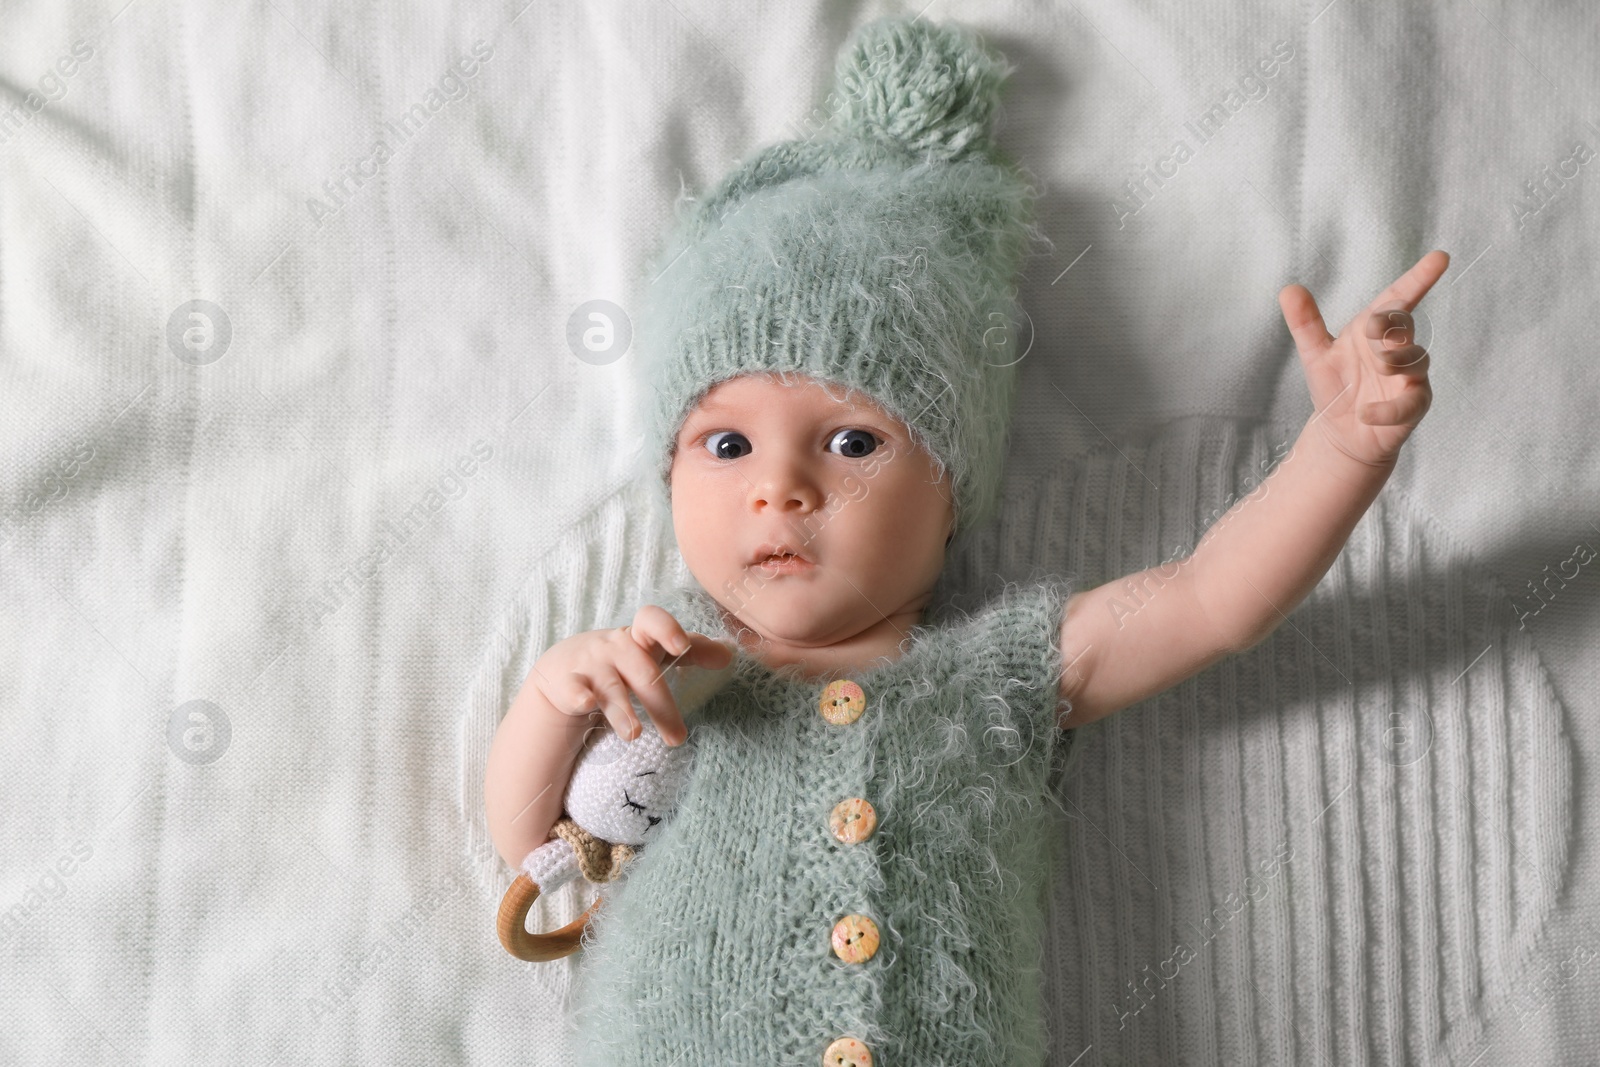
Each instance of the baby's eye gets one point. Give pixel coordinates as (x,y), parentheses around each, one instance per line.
(854,443)
(728,444)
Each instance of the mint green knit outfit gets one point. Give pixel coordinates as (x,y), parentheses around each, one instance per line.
(714,947)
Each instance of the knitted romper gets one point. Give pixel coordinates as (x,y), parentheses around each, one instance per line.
(744,933)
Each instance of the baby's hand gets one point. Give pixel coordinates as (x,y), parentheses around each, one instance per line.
(592,673)
(1370,386)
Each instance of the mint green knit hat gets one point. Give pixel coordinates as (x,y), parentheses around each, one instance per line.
(879,254)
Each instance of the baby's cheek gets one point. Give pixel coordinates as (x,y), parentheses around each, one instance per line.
(854,489)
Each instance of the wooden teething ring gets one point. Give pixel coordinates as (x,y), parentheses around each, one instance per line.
(536,948)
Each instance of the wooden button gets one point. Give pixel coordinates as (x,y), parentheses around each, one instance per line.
(853,820)
(855,938)
(847,1052)
(842,702)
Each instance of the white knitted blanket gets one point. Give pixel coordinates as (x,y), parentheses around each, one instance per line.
(262,611)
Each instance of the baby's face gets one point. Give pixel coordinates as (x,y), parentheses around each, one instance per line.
(829,475)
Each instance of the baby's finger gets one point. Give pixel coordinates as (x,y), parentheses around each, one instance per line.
(658,633)
(1304,320)
(647,680)
(1394,327)
(612,696)
(642,662)
(1408,290)
(1411,360)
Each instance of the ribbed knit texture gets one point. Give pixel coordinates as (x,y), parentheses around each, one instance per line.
(880,255)
(714,947)
(1416,893)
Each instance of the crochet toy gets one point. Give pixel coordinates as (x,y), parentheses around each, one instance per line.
(614,782)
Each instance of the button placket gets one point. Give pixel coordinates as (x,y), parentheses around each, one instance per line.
(852,820)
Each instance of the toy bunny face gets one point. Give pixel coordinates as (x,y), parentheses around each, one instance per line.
(621,790)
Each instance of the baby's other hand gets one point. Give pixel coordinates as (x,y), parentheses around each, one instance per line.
(592,674)
(1370,385)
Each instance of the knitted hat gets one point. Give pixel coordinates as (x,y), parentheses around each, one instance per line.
(879,254)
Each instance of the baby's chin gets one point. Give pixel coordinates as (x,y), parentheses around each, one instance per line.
(795,612)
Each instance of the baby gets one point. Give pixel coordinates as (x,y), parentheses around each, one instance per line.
(856,869)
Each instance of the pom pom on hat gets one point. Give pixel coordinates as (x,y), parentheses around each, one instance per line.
(930,88)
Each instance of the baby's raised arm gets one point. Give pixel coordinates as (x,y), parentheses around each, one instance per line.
(1141,634)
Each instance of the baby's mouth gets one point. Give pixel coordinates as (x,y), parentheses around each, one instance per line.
(776,552)
(783,563)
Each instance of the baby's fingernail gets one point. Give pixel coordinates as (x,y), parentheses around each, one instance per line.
(680,647)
